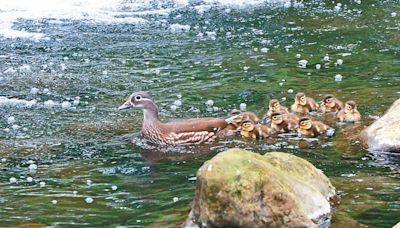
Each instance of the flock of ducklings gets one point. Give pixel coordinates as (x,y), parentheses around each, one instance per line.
(283,121)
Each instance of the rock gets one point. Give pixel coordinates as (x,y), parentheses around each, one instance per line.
(238,188)
(397,225)
(384,134)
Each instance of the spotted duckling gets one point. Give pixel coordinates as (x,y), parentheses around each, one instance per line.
(307,127)
(330,104)
(349,113)
(254,131)
(303,104)
(281,125)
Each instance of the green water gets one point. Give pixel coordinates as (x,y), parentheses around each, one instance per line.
(104,63)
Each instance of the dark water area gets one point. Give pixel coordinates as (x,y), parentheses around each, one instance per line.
(66,67)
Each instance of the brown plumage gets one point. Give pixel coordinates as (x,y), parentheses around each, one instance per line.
(303,104)
(307,127)
(190,131)
(254,131)
(330,104)
(245,116)
(281,125)
(349,113)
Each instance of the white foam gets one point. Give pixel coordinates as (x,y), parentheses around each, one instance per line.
(15,102)
(179,28)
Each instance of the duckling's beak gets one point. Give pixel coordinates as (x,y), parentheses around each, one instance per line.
(126,105)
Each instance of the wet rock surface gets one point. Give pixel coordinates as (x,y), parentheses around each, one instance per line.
(384,134)
(238,188)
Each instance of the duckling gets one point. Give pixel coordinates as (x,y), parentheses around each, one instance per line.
(303,104)
(281,125)
(308,127)
(245,115)
(330,104)
(275,106)
(254,131)
(349,113)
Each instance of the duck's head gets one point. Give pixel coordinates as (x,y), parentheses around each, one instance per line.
(139,100)
(274,105)
(276,118)
(247,125)
(305,123)
(350,106)
(329,100)
(301,99)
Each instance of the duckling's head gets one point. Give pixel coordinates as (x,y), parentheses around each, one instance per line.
(274,105)
(350,106)
(235,112)
(247,125)
(139,100)
(276,118)
(329,100)
(305,123)
(301,98)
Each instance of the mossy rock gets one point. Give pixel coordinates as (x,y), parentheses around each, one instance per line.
(384,134)
(238,188)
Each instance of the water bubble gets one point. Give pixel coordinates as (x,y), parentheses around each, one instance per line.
(393,14)
(243,106)
(105,72)
(318,66)
(264,50)
(75,192)
(42,183)
(34,91)
(63,66)
(29,179)
(25,69)
(339,62)
(210,103)
(298,56)
(338,78)
(173,107)
(89,200)
(114,187)
(290,91)
(281,83)
(32,167)
(175,199)
(76,102)
(303,63)
(178,103)
(245,68)
(89,182)
(11,120)
(3,160)
(13,180)
(283,98)
(15,127)
(54,202)
(65,105)
(10,71)
(49,103)
(326,58)
(65,58)
(46,91)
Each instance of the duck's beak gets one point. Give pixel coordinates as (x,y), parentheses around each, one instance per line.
(126,105)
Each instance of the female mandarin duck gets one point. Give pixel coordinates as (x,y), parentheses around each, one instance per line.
(190,131)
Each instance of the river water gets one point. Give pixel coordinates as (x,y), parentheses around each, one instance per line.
(66,152)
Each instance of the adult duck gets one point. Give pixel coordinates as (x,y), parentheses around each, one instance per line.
(186,132)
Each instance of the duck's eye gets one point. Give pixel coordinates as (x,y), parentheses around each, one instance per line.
(138,98)
(302,98)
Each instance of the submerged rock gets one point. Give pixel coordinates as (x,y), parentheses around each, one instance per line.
(238,188)
(384,134)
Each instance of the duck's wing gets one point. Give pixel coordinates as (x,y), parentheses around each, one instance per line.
(195,125)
